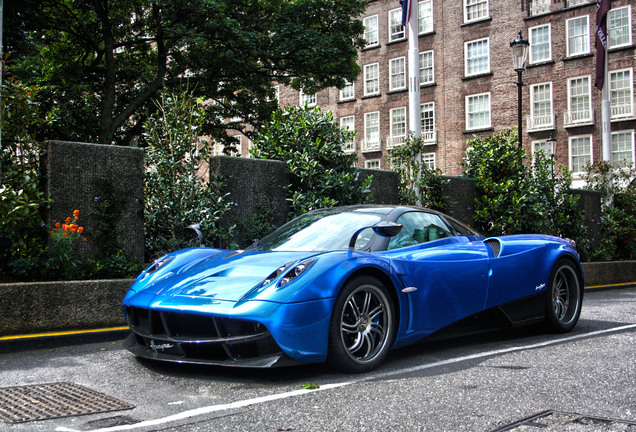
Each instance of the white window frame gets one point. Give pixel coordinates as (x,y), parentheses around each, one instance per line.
(310,99)
(425,17)
(397,128)
(372,164)
(533,43)
(572,118)
(397,74)
(423,70)
(396,31)
(545,123)
(372,37)
(470,113)
(611,21)
(619,111)
(572,156)
(349,122)
(348,92)
(375,78)
(467,60)
(630,134)
(429,134)
(545,145)
(584,38)
(475,3)
(371,143)
(428,160)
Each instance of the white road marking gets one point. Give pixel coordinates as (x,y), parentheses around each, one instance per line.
(259,400)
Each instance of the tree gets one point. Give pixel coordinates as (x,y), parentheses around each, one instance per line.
(100,63)
(310,142)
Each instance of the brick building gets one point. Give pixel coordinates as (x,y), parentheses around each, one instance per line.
(468,82)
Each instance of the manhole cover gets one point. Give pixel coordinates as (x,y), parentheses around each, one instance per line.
(553,421)
(48,401)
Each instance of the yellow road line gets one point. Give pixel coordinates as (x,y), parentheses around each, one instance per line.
(62,333)
(612,285)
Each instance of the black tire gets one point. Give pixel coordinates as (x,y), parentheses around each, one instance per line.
(564,297)
(362,326)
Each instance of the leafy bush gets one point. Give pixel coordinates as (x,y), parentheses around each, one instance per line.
(310,142)
(177,194)
(618,221)
(418,184)
(517,196)
(22,201)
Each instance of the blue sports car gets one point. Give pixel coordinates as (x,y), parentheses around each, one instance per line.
(346,285)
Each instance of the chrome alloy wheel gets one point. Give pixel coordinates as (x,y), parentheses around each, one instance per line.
(565,295)
(366,323)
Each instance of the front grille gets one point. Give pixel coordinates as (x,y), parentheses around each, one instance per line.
(494,245)
(199,338)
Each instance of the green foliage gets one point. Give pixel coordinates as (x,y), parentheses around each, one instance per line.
(617,223)
(177,194)
(310,142)
(419,184)
(107,60)
(22,200)
(517,196)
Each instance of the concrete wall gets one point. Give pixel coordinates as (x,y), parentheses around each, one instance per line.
(79,174)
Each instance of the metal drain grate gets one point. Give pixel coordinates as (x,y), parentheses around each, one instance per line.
(47,401)
(555,421)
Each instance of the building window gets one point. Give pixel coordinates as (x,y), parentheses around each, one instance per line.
(580,153)
(372,164)
(425,16)
(579,101)
(371,79)
(397,74)
(542,146)
(619,27)
(478,111)
(427,112)
(475,10)
(348,124)
(621,93)
(396,31)
(578,36)
(541,116)
(623,148)
(398,127)
(371,31)
(428,160)
(371,132)
(540,44)
(307,99)
(427,71)
(347,92)
(539,7)
(477,57)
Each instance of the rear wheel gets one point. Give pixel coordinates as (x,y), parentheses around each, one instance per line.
(564,297)
(362,326)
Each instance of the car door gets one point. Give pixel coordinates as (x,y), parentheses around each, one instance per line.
(445,276)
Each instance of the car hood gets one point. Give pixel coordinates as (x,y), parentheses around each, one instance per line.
(219,276)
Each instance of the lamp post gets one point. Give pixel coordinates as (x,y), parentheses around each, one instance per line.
(519,58)
(552,143)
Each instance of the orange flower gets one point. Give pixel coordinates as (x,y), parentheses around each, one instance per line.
(80,230)
(68,219)
(85,239)
(57,225)
(75,212)
(64,233)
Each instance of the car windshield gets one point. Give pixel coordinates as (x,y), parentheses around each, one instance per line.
(321,231)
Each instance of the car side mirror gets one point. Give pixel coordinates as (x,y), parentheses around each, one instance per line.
(383,229)
(196,229)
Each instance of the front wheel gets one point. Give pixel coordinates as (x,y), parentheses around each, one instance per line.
(564,297)
(362,326)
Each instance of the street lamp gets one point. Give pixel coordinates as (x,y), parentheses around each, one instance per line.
(519,58)
(552,142)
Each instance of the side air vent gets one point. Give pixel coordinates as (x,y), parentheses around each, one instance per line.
(494,245)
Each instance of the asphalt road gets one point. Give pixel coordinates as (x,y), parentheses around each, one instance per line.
(581,381)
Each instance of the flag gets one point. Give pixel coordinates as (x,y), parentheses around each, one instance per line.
(406,11)
(602,7)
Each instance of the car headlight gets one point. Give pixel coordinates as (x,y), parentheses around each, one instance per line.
(159,263)
(290,273)
(276,273)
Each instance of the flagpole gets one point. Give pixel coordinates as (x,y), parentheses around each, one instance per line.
(602,81)
(606,114)
(415,123)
